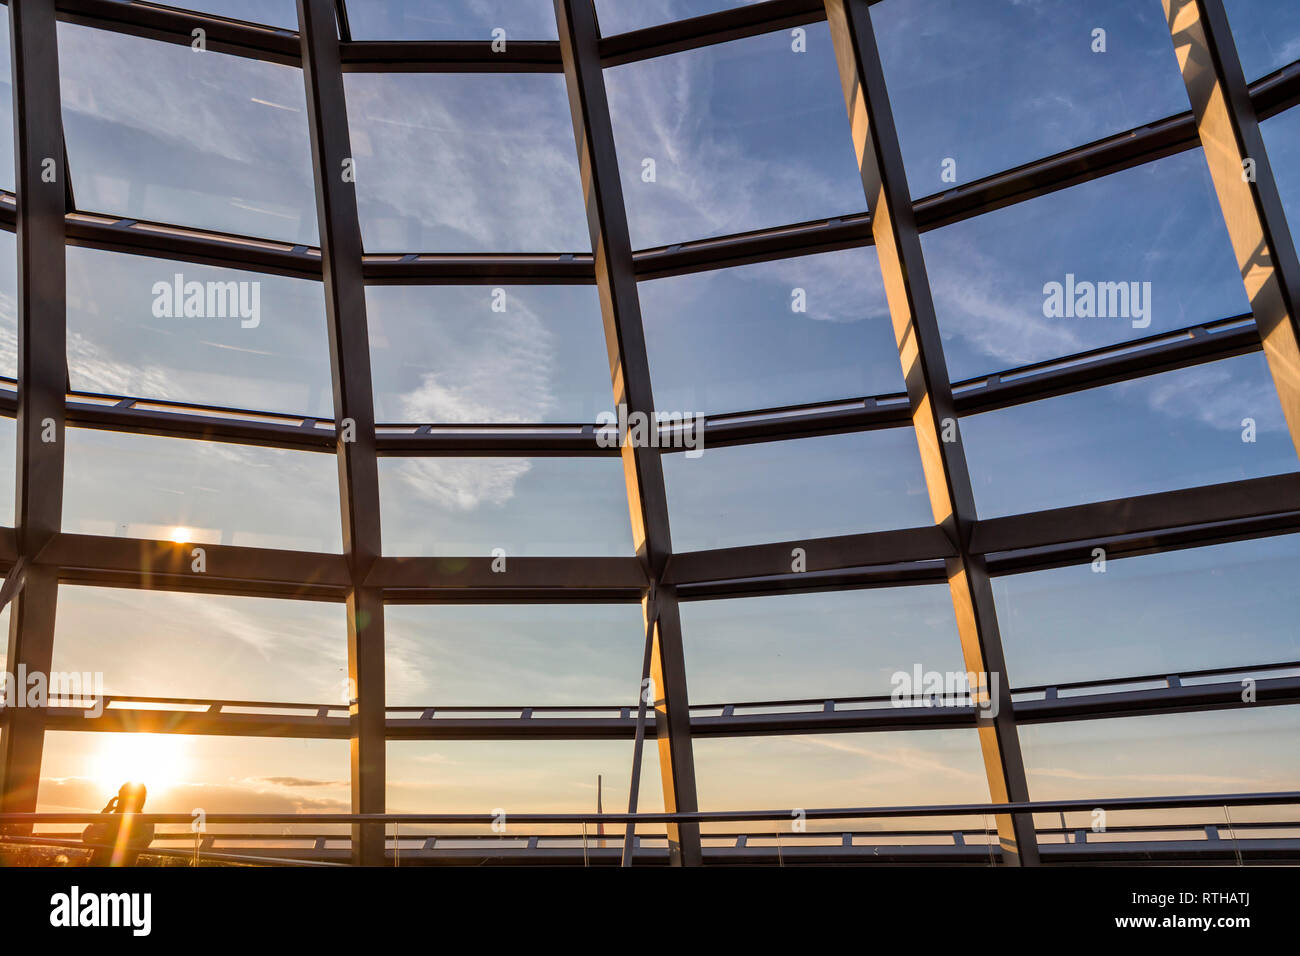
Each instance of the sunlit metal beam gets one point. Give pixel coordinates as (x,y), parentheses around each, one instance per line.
(630,374)
(1228,128)
(345,310)
(943,460)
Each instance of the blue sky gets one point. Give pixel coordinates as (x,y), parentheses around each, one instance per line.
(743,136)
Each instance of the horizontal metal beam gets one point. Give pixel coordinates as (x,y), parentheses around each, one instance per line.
(186,244)
(1162,138)
(1122,361)
(455,56)
(204,423)
(491,441)
(819,554)
(225,569)
(760,245)
(1198,535)
(1275,798)
(530,268)
(272,572)
(222,35)
(258,41)
(1142,524)
(1248,498)
(808,848)
(435,575)
(1258,850)
(1088,700)
(711,28)
(288,842)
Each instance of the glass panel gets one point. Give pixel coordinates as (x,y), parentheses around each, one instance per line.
(1282,140)
(182,644)
(8,460)
(1249,749)
(478,354)
(433,175)
(143,486)
(513,654)
(832,644)
(1266,33)
(893,768)
(787,332)
(528,506)
(620,16)
(750,494)
(1175,430)
(742,135)
(451,19)
(6,109)
(80,771)
(1146,251)
(517,776)
(1157,614)
(972,95)
(156,328)
(8,305)
(198,139)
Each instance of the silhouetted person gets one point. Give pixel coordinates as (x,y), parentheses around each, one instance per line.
(125,843)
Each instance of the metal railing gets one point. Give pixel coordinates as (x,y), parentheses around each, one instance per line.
(412,843)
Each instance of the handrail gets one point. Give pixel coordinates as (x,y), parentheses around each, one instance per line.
(210,839)
(72,844)
(210,703)
(1272,798)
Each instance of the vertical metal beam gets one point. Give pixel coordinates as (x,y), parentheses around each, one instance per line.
(630,373)
(916,331)
(1252,208)
(345,309)
(40,175)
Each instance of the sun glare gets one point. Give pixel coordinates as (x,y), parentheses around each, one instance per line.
(180,535)
(156,760)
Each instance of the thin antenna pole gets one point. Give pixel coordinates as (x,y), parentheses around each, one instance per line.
(600,824)
(629,836)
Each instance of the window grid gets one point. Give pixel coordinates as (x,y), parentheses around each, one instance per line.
(960,546)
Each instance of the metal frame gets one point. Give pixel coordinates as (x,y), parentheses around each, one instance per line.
(630,375)
(959,548)
(345,311)
(1188,692)
(42,376)
(1202,842)
(1252,208)
(930,396)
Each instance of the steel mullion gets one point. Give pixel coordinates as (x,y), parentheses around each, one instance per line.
(630,375)
(916,331)
(42,357)
(345,309)
(1228,129)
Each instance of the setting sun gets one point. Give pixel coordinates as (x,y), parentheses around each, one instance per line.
(156,760)
(180,535)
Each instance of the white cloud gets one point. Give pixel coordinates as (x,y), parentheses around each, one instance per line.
(464,484)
